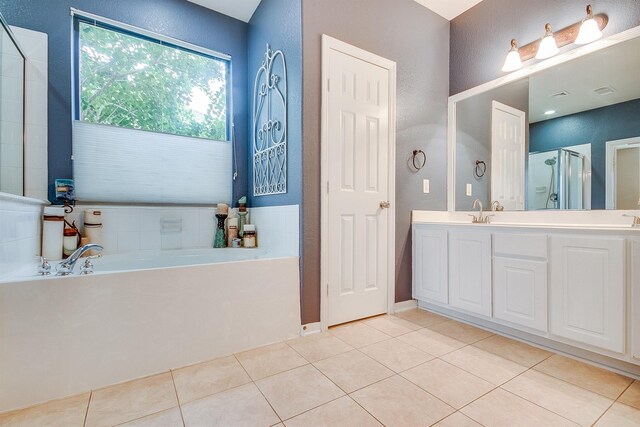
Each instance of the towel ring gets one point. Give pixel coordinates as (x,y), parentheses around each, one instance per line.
(481,169)
(418,159)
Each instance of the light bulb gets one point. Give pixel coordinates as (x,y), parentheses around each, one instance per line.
(589,30)
(513,61)
(548,46)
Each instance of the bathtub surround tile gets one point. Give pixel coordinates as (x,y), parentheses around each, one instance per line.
(129,401)
(598,380)
(68,412)
(396,355)
(358,334)
(296,391)
(353,370)
(168,418)
(620,415)
(241,406)
(270,360)
(631,396)
(448,383)
(340,412)
(431,342)
(320,346)
(457,419)
(487,366)
(513,350)
(204,379)
(574,403)
(503,409)
(397,402)
(391,325)
(460,331)
(421,317)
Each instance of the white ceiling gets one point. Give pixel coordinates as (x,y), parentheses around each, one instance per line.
(243,9)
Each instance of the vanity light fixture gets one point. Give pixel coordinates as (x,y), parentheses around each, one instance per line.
(589,30)
(582,32)
(548,45)
(513,61)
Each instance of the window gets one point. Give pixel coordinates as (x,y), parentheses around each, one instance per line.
(152,117)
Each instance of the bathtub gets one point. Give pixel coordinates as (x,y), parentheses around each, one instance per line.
(141,313)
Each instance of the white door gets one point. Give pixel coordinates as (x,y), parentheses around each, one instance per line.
(357,166)
(507,156)
(430,278)
(470,271)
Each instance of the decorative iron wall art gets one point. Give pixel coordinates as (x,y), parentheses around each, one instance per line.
(270,126)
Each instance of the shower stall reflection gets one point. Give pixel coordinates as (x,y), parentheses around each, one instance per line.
(556,180)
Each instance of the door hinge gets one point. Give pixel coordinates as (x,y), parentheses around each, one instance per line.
(327,187)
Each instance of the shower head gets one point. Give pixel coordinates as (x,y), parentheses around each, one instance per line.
(550,161)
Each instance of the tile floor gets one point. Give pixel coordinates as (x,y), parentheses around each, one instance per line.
(412,369)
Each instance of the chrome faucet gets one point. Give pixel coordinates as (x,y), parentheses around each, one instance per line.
(481,218)
(65,268)
(636,220)
(496,206)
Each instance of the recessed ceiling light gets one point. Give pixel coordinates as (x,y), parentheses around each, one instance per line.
(550,112)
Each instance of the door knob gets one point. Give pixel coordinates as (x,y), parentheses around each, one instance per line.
(385,205)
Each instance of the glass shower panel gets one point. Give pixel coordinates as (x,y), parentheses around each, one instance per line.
(575,182)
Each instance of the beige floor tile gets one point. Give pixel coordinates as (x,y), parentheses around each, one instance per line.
(358,334)
(132,400)
(296,391)
(503,409)
(67,412)
(240,406)
(631,397)
(431,342)
(487,366)
(398,402)
(595,379)
(421,317)
(204,379)
(391,325)
(270,360)
(457,420)
(513,350)
(460,331)
(620,415)
(319,346)
(353,370)
(577,404)
(340,412)
(396,355)
(169,418)
(448,383)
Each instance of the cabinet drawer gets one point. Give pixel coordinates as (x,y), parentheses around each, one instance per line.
(520,245)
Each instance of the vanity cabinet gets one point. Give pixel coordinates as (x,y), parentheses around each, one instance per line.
(470,271)
(520,280)
(587,293)
(635,299)
(430,275)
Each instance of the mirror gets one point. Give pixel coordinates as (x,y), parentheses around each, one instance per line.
(564,137)
(12,76)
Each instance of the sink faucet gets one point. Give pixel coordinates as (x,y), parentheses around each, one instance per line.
(482,218)
(65,268)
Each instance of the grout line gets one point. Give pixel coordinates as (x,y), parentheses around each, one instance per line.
(613,403)
(256,386)
(175,389)
(86,413)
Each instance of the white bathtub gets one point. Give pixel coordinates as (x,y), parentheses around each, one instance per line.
(141,313)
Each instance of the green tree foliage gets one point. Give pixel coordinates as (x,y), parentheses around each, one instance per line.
(131,82)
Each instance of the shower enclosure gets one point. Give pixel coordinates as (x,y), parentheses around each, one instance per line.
(556,180)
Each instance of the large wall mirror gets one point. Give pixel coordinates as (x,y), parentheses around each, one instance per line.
(12,77)
(565,136)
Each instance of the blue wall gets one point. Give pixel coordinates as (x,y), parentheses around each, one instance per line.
(597,126)
(279,23)
(174,18)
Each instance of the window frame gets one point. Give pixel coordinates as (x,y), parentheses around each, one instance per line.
(150,36)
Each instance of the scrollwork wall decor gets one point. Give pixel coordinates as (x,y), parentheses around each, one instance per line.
(270,125)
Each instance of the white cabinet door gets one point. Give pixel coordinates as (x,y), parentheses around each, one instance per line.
(635,300)
(470,271)
(587,289)
(430,264)
(520,292)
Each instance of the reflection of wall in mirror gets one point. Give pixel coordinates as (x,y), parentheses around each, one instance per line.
(596,126)
(627,178)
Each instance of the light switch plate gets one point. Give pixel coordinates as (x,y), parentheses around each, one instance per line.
(469,190)
(425,186)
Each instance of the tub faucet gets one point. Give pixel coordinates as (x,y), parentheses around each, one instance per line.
(65,268)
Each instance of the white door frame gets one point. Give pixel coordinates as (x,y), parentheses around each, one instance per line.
(328,44)
(610,175)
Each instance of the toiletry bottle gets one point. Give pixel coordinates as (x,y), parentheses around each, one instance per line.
(70,241)
(249,239)
(242,213)
(52,232)
(93,226)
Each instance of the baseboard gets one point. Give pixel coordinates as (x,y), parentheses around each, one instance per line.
(404,305)
(310,329)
